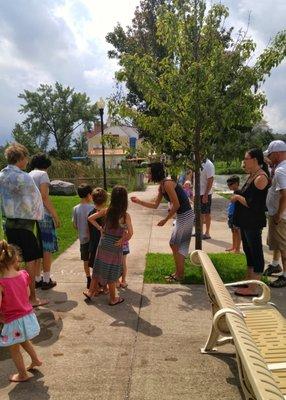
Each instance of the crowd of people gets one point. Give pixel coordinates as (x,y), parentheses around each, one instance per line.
(105,228)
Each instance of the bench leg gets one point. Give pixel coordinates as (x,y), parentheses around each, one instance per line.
(245,385)
(211,342)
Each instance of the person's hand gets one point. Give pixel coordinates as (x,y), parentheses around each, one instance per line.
(135,199)
(205,199)
(276,219)
(162,222)
(57,221)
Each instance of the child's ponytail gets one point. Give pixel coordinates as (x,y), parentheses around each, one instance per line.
(8,255)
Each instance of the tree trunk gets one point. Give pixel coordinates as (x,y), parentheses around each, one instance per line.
(198,225)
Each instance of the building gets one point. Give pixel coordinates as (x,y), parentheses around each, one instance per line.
(127,138)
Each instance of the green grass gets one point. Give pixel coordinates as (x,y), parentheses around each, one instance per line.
(231,268)
(66,233)
(228,168)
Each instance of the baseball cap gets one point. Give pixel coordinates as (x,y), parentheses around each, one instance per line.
(275,146)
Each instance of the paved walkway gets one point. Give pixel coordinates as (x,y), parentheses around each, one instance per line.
(146,348)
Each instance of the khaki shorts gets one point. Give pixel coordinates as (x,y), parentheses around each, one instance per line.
(276,234)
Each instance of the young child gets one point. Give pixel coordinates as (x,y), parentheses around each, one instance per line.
(109,258)
(20,322)
(233,184)
(187,186)
(99,197)
(79,218)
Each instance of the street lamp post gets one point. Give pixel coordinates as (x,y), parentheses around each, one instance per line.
(100,104)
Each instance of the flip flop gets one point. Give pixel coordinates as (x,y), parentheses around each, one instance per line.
(87,296)
(237,293)
(119,301)
(41,303)
(123,285)
(173,279)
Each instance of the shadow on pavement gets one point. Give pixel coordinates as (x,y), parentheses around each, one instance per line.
(34,389)
(189,295)
(125,315)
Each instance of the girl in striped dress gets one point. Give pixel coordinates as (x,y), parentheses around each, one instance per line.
(108,263)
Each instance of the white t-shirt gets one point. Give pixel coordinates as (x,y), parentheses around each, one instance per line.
(40,177)
(208,171)
(278,183)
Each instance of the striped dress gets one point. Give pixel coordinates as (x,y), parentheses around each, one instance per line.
(108,263)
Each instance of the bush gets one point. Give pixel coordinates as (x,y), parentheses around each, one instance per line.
(228,168)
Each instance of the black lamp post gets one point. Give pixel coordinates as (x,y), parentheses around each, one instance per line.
(100,104)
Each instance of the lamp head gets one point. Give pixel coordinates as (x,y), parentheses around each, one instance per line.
(100,103)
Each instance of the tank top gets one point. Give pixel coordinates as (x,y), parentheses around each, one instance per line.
(182,197)
(15,301)
(253,216)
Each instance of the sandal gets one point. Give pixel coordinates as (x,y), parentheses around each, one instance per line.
(119,301)
(173,279)
(123,285)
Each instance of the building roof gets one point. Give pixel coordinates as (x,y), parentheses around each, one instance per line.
(118,130)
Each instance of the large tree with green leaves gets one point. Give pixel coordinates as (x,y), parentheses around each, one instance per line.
(204,90)
(55,112)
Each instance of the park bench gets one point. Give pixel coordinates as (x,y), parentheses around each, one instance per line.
(256,329)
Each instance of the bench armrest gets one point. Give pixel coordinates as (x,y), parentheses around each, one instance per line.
(265,296)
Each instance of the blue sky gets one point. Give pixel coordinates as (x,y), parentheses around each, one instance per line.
(43,41)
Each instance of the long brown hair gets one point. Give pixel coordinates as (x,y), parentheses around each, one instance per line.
(118,206)
(8,255)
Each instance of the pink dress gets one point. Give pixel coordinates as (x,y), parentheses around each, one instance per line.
(20,322)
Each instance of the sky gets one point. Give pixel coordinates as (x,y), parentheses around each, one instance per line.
(44,41)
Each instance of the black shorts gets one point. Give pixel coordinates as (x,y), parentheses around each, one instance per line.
(27,242)
(206,207)
(84,251)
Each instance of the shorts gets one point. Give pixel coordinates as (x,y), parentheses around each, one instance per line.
(48,234)
(230,223)
(27,242)
(276,239)
(84,251)
(206,207)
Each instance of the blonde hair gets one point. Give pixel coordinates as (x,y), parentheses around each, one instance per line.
(15,152)
(8,255)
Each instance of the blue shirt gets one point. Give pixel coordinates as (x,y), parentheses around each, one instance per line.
(20,197)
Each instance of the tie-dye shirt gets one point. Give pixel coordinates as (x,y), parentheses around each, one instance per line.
(20,197)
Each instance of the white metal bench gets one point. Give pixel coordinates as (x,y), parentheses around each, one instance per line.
(257,330)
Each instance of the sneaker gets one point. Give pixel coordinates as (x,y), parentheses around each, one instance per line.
(272,269)
(48,285)
(88,280)
(205,236)
(39,284)
(279,283)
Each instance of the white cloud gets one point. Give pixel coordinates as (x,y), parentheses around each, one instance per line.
(64,40)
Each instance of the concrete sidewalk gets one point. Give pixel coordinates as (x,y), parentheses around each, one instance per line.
(146,348)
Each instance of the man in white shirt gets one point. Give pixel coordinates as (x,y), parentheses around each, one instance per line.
(206,183)
(276,204)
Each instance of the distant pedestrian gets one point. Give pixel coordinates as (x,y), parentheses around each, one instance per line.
(20,322)
(276,205)
(233,184)
(206,184)
(108,262)
(79,218)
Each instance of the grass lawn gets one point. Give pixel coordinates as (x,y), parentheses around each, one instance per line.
(231,267)
(66,233)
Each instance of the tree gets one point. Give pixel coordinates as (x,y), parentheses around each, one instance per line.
(203,91)
(57,111)
(80,146)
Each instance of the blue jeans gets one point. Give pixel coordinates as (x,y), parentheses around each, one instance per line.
(252,247)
